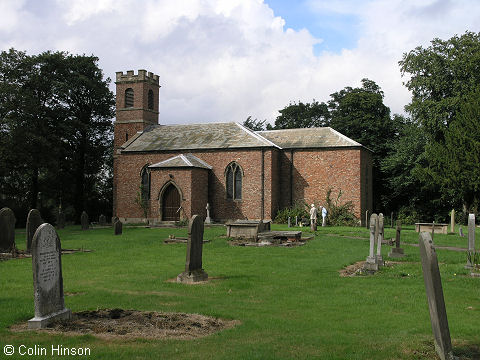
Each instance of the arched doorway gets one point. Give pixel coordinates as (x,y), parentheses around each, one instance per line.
(170,204)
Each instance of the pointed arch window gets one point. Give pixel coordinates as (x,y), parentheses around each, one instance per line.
(233,179)
(150,100)
(129,96)
(146,183)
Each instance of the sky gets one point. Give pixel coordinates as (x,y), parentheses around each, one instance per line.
(225,60)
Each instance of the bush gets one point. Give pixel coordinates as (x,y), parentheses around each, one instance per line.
(299,209)
(339,214)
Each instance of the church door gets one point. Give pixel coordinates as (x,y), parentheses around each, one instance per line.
(170,204)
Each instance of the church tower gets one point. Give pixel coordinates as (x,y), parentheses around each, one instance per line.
(137,104)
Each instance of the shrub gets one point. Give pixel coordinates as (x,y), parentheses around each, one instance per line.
(339,214)
(299,209)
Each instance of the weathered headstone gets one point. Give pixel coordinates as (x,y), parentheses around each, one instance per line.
(84,220)
(397,251)
(313,218)
(118,227)
(207,219)
(47,278)
(34,220)
(460,232)
(60,219)
(436,302)
(102,220)
(471,239)
(7,229)
(193,265)
(452,221)
(380,225)
(296,220)
(371,264)
(289,222)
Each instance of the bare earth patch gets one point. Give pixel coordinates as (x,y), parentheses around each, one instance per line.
(112,323)
(357,268)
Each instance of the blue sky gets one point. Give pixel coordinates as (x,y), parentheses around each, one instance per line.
(225,60)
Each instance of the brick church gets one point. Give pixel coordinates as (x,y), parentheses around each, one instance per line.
(242,174)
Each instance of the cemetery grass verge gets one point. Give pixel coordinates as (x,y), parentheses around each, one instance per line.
(290,302)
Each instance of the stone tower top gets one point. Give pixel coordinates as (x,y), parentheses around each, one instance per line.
(142,75)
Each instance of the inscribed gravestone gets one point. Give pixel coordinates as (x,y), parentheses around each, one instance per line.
(471,238)
(371,264)
(7,229)
(84,220)
(102,220)
(208,220)
(34,220)
(118,227)
(379,233)
(47,278)
(397,251)
(436,302)
(193,265)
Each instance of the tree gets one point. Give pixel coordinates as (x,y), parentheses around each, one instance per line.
(360,114)
(56,129)
(439,78)
(302,115)
(255,124)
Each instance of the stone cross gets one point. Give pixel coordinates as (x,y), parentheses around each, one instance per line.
(117,227)
(379,231)
(84,220)
(102,220)
(452,221)
(34,220)
(471,238)
(47,278)
(436,302)
(370,264)
(397,251)
(193,264)
(207,219)
(7,229)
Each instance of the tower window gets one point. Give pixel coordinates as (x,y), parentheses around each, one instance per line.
(150,100)
(233,177)
(129,97)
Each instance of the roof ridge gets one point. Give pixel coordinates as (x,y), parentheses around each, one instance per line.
(257,136)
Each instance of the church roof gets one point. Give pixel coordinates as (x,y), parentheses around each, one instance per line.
(324,137)
(196,136)
(187,160)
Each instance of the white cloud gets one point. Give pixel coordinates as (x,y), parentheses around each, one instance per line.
(222,60)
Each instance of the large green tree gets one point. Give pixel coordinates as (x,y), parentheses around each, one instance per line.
(442,79)
(55,122)
(302,115)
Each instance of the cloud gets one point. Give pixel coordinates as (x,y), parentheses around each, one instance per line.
(223,60)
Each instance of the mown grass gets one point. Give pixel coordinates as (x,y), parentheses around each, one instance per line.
(291,302)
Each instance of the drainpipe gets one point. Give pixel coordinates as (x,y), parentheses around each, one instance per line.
(262,205)
(291,178)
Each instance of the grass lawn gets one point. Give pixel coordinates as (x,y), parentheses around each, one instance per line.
(291,302)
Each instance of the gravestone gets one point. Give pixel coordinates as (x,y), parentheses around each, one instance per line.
(7,229)
(296,220)
(471,239)
(102,220)
(60,219)
(207,219)
(379,257)
(47,278)
(84,220)
(313,218)
(371,264)
(460,232)
(397,251)
(289,222)
(436,302)
(452,221)
(193,264)
(118,227)
(34,220)
(366,219)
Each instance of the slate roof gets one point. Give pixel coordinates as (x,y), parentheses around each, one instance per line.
(196,136)
(324,137)
(231,136)
(182,161)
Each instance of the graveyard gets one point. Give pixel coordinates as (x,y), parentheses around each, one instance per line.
(257,302)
